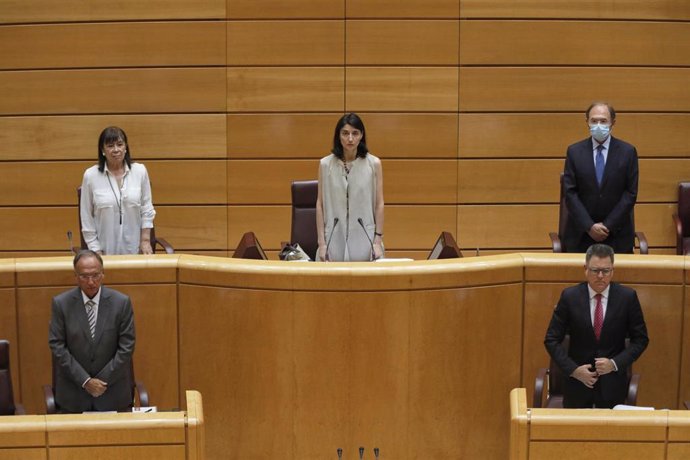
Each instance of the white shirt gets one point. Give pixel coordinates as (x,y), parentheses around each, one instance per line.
(96,299)
(112,217)
(604,152)
(593,301)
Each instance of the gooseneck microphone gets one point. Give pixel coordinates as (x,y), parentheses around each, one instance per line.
(361,449)
(330,237)
(376,453)
(340,453)
(371,243)
(69,240)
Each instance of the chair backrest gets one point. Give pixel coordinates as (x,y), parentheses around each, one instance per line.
(303,231)
(562,214)
(684,215)
(7,406)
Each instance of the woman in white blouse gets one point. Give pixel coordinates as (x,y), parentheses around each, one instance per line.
(116,205)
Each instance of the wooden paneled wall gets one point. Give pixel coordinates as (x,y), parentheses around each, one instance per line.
(470,104)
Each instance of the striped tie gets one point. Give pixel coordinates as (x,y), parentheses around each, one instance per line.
(91,314)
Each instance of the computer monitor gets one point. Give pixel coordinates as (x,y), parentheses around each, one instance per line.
(445,248)
(249,248)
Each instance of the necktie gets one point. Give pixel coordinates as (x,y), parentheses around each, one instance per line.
(598,317)
(91,315)
(599,164)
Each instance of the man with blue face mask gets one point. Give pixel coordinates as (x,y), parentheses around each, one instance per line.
(600,184)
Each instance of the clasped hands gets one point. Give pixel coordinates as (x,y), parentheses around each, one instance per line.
(598,232)
(589,376)
(95,387)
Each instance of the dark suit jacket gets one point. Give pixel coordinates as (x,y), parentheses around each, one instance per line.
(611,204)
(77,356)
(623,319)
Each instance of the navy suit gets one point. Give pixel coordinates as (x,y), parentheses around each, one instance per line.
(623,319)
(77,356)
(611,203)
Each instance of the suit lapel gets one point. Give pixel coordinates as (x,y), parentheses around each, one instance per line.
(104,312)
(81,313)
(590,171)
(612,306)
(610,160)
(587,312)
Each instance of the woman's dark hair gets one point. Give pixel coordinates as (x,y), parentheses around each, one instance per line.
(108,136)
(353,120)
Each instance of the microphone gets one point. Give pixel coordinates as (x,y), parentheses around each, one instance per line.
(340,453)
(330,237)
(371,243)
(376,453)
(69,240)
(361,449)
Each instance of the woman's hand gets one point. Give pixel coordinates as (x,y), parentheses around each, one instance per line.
(378,251)
(321,255)
(145,247)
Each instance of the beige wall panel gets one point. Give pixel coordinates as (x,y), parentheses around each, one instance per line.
(678,451)
(112,45)
(37,228)
(188,181)
(454,409)
(351,372)
(509,181)
(392,42)
(619,9)
(402,89)
(417,227)
(285,89)
(8,331)
(193,227)
(250,385)
(152,452)
(574,450)
(412,135)
(278,9)
(656,223)
(503,42)
(74,10)
(435,180)
(659,179)
(23,454)
(512,135)
(112,91)
(271,224)
(403,9)
(285,135)
(265,43)
(41,183)
(563,88)
(76,137)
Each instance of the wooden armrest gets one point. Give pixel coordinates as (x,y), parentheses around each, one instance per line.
(686,404)
(165,245)
(539,383)
(49,399)
(555,242)
(642,240)
(631,400)
(143,394)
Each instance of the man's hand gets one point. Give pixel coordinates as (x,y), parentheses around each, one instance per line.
(603,366)
(598,232)
(585,375)
(95,387)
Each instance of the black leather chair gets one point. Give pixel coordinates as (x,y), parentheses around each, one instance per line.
(155,242)
(556,238)
(7,404)
(548,386)
(303,231)
(681,219)
(139,393)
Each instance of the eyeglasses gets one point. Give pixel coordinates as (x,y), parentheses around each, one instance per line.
(600,271)
(89,276)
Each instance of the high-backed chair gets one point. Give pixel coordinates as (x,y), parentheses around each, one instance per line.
(7,404)
(303,231)
(548,386)
(155,242)
(557,240)
(139,391)
(682,219)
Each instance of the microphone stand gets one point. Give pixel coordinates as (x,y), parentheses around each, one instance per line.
(330,237)
(371,243)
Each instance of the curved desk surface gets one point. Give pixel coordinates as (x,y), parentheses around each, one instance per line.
(297,359)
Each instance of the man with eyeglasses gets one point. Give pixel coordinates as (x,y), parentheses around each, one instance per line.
(92,340)
(598,315)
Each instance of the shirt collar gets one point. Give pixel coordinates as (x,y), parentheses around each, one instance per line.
(604,294)
(606,144)
(96,299)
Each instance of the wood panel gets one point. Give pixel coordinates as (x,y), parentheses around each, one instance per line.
(264,43)
(152,452)
(278,9)
(684,366)
(571,89)
(417,89)
(271,224)
(575,450)
(501,42)
(397,42)
(435,180)
(403,9)
(131,44)
(512,135)
(412,135)
(8,331)
(285,89)
(172,184)
(37,228)
(292,135)
(112,91)
(619,9)
(18,11)
(455,404)
(193,227)
(76,137)
(659,179)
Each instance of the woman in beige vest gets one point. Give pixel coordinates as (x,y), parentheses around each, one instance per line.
(349,208)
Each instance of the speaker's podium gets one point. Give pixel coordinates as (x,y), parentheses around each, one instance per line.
(106,436)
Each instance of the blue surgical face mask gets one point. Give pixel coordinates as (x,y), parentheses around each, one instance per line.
(599,131)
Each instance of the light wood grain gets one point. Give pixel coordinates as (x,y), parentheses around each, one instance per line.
(622,9)
(193,227)
(403,9)
(153,452)
(412,135)
(277,9)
